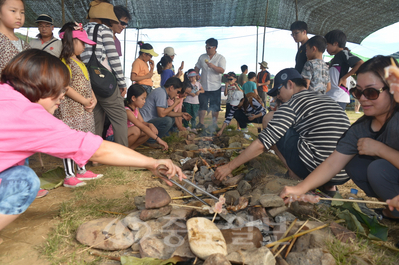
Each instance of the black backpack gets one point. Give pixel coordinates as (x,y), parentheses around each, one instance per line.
(103,82)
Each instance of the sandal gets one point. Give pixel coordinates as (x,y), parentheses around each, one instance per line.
(380,212)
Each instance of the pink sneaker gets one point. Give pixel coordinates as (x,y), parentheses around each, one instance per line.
(88,176)
(73,182)
(41,193)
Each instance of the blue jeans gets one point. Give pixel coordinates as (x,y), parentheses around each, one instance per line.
(18,188)
(163,126)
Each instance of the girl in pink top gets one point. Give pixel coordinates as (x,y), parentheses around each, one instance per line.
(76,109)
(138,131)
(32,86)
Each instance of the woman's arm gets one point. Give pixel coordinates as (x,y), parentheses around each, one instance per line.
(117,155)
(371,147)
(86,102)
(321,175)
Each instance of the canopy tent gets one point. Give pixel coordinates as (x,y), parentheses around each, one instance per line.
(356,18)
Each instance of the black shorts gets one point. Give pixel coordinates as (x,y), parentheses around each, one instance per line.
(213,98)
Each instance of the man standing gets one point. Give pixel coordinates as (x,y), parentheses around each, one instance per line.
(263,81)
(213,66)
(124,17)
(299,31)
(46,41)
(243,78)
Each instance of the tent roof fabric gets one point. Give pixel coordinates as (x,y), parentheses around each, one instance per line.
(356,18)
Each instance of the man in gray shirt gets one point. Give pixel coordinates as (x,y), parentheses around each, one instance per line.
(46,41)
(156,110)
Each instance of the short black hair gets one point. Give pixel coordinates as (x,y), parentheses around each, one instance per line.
(175,82)
(121,11)
(299,82)
(299,25)
(244,67)
(251,75)
(336,35)
(319,42)
(212,42)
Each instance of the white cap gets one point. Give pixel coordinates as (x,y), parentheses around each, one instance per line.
(169,51)
(236,98)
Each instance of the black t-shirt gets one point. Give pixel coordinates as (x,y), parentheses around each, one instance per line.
(300,58)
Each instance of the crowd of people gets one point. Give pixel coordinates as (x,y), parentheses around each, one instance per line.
(49,105)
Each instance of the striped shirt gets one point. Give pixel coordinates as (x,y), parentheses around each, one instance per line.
(105,50)
(319,121)
(250,110)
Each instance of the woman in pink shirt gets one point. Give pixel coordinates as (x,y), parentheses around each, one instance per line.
(32,85)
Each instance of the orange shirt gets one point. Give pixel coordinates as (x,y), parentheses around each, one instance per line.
(140,68)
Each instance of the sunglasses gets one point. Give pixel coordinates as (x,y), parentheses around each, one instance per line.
(230,79)
(123,23)
(149,55)
(210,47)
(369,93)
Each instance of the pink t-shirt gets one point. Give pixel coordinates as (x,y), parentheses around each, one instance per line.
(110,130)
(27,128)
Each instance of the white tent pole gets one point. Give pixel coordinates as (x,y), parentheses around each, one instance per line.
(135,54)
(257,39)
(63,12)
(264,31)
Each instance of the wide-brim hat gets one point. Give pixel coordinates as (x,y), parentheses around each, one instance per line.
(169,51)
(282,77)
(264,64)
(102,10)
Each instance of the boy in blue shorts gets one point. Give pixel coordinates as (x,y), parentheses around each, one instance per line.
(250,86)
(315,70)
(339,66)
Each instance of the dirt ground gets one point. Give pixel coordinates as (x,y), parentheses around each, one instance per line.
(24,237)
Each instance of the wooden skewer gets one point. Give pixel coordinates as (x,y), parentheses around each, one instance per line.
(187,206)
(294,240)
(285,234)
(295,236)
(348,200)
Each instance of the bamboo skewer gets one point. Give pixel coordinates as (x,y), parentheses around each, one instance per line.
(294,240)
(349,200)
(295,236)
(187,206)
(285,234)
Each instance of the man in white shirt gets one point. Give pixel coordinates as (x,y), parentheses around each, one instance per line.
(212,65)
(46,41)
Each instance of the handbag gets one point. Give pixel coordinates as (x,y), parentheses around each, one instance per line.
(103,82)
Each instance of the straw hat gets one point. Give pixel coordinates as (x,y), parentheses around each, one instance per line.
(101,10)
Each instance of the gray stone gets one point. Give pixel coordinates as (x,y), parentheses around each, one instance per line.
(191,147)
(275,211)
(184,250)
(284,217)
(210,188)
(139,201)
(181,213)
(105,233)
(156,198)
(255,196)
(148,214)
(203,170)
(271,200)
(209,176)
(200,185)
(217,259)
(232,197)
(243,187)
(241,219)
(235,145)
(254,256)
(306,257)
(315,239)
(135,247)
(176,157)
(252,174)
(155,247)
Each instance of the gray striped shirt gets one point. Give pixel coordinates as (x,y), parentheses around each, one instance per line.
(105,49)
(319,121)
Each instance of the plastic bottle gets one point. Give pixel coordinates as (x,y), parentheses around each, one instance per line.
(353,195)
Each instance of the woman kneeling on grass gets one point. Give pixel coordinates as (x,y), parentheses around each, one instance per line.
(32,85)
(369,150)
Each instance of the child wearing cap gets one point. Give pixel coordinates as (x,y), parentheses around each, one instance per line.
(76,109)
(191,102)
(140,72)
(230,87)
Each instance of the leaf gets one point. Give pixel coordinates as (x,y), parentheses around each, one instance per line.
(351,222)
(52,178)
(125,260)
(239,170)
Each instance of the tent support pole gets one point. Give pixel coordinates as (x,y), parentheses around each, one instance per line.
(63,12)
(135,54)
(296,14)
(264,31)
(257,39)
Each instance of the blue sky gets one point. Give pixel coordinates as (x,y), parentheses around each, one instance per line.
(238,45)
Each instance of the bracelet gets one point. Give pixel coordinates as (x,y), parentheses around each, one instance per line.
(156,138)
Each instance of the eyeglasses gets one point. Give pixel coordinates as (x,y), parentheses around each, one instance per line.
(295,33)
(44,26)
(369,93)
(149,55)
(209,47)
(230,79)
(123,23)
